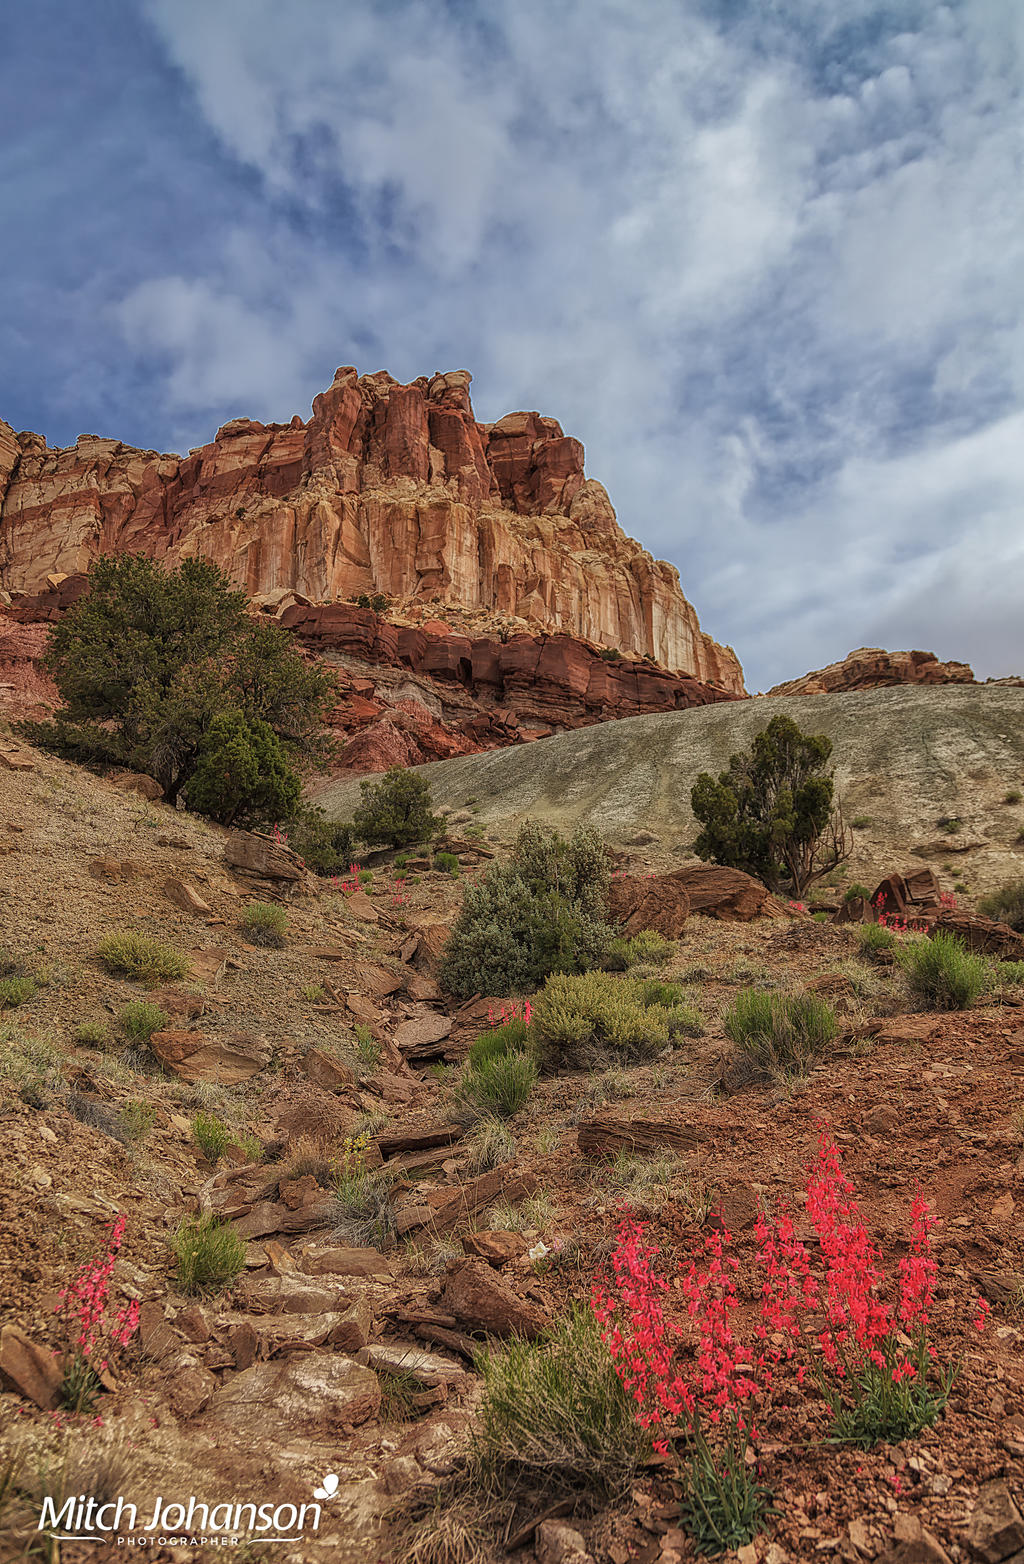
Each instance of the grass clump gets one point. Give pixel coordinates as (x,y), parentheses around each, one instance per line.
(492,1145)
(645,948)
(209,1254)
(595,1019)
(1006,904)
(15,990)
(1012,796)
(363,1194)
(499,1086)
(554,1415)
(367,1046)
(137,1119)
(448,863)
(264,923)
(874,938)
(500,1040)
(211,1135)
(139,1020)
(855,890)
(32,1066)
(780,1034)
(543,911)
(91,1034)
(942,974)
(1009,972)
(142,959)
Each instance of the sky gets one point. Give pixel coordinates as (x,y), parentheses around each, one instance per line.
(765,258)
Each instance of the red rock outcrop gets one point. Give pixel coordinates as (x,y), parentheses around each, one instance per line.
(871,668)
(388,488)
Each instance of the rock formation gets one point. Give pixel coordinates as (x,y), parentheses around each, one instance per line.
(388,488)
(871,668)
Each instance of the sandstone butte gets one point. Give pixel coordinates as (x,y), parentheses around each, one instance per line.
(388,488)
(871,668)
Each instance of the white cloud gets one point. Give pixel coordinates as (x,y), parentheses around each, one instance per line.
(779,296)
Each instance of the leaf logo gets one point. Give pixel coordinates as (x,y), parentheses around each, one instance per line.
(329,1488)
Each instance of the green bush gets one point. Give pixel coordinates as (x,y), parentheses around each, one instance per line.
(1012,796)
(554,1415)
(209,1254)
(942,974)
(780,1034)
(143,959)
(91,1034)
(511,1038)
(326,847)
(771,814)
(264,923)
(539,913)
(653,991)
(647,948)
(1006,905)
(875,937)
(150,660)
(137,1119)
(367,1046)
(242,775)
(211,1134)
(596,1019)
(684,1021)
(448,863)
(855,890)
(140,1020)
(396,811)
(14,991)
(1009,972)
(498,1087)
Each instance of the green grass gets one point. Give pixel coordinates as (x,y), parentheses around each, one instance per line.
(209,1254)
(513,1037)
(264,923)
(211,1135)
(1009,972)
(139,1020)
(1012,796)
(142,959)
(499,1086)
(448,863)
(367,1046)
(646,947)
(873,937)
(780,1034)
(15,990)
(554,1415)
(491,1145)
(91,1034)
(138,1119)
(942,973)
(1006,904)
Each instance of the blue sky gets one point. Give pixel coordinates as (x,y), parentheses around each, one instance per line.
(765,260)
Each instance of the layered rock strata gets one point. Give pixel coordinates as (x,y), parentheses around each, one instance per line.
(388,488)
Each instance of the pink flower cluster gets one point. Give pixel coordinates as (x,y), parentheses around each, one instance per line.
(83,1306)
(518,1010)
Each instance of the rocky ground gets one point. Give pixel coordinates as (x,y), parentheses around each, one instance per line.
(345,1347)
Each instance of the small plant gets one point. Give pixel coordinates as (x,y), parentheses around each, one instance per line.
(1012,796)
(139,1020)
(860,822)
(875,937)
(264,923)
(14,991)
(498,1086)
(314,992)
(856,889)
(211,1135)
(646,947)
(365,877)
(780,1034)
(653,991)
(554,1413)
(32,1065)
(447,863)
(951,826)
(492,1145)
(511,1036)
(91,1034)
(1006,905)
(367,1046)
(363,1194)
(209,1254)
(142,959)
(1010,972)
(92,1340)
(942,974)
(595,1019)
(138,1119)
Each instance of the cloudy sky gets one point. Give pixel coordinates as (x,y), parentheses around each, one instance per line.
(764,257)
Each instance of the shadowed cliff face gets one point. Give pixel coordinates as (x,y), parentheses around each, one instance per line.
(388,488)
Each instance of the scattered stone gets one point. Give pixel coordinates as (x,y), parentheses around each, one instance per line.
(484,1300)
(359,905)
(556,1542)
(16,760)
(113,871)
(912,1543)
(494,1246)
(316,1394)
(225,1059)
(184,896)
(137,782)
(189,1388)
(606,1135)
(995,1529)
(400,1358)
(293,1293)
(324,1070)
(391,1142)
(28,1369)
(344,1262)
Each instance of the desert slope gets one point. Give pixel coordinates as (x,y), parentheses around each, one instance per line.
(904,758)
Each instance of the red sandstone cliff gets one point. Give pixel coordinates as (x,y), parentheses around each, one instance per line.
(388,488)
(871,668)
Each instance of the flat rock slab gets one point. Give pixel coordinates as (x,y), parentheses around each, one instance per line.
(606,1135)
(225,1059)
(262,856)
(344,1262)
(28,1369)
(422,1030)
(314,1393)
(293,1293)
(399,1358)
(324,1070)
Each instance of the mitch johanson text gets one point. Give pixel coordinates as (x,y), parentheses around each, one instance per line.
(82,1516)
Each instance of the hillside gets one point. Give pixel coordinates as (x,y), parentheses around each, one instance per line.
(905,758)
(346,1343)
(388,488)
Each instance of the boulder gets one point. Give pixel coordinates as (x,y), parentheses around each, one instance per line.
(338,1261)
(982,935)
(646,902)
(728,894)
(137,782)
(482,1299)
(325,1071)
(494,1246)
(224,1059)
(262,856)
(606,1135)
(185,896)
(314,1394)
(29,1369)
(995,1529)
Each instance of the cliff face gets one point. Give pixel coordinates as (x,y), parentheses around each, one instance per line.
(871,668)
(388,488)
